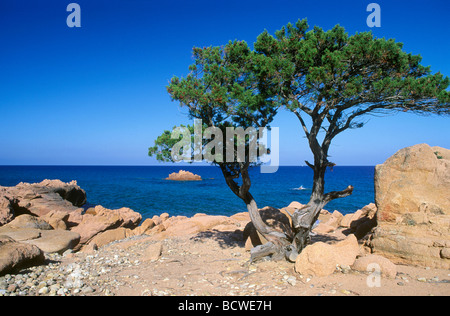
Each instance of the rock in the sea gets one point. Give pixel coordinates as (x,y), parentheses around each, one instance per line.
(412,195)
(321,259)
(15,256)
(184,176)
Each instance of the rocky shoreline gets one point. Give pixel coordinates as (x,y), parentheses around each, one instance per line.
(199,266)
(51,245)
(166,256)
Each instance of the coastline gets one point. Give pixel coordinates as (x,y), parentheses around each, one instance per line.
(144,189)
(205,264)
(387,248)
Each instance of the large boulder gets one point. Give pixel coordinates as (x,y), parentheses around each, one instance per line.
(100,219)
(412,196)
(35,231)
(40,198)
(321,259)
(15,256)
(368,262)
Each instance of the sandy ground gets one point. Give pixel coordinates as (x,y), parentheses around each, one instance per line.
(216,263)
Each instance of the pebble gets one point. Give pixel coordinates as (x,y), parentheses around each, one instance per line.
(292,280)
(55,279)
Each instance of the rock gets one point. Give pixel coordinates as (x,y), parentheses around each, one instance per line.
(184,176)
(182,225)
(6,209)
(102,219)
(445,253)
(41,198)
(56,241)
(68,191)
(15,256)
(29,222)
(44,290)
(153,252)
(164,216)
(321,259)
(120,233)
(411,193)
(20,235)
(109,236)
(329,224)
(352,219)
(413,180)
(387,268)
(145,227)
(57,219)
(335,219)
(361,222)
(324,229)
(347,220)
(49,241)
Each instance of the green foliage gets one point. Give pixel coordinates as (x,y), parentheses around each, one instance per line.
(228,86)
(331,75)
(164,144)
(330,80)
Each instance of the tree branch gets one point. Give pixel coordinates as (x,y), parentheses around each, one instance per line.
(305,128)
(338,194)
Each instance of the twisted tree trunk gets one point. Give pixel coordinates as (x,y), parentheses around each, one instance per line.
(277,242)
(305,218)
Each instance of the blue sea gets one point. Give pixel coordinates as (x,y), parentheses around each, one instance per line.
(144,189)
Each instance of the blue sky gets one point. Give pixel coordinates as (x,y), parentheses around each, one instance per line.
(96,95)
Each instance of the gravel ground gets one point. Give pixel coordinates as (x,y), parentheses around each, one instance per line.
(211,264)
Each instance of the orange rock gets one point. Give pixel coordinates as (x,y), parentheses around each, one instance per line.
(184,176)
(321,259)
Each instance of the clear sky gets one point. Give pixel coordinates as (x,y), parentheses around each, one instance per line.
(96,95)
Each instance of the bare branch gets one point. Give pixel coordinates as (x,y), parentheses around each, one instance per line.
(338,194)
(309,165)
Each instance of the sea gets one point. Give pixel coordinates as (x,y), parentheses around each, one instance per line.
(145,190)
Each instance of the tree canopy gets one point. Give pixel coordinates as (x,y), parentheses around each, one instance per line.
(329,80)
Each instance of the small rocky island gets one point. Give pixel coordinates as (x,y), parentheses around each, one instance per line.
(184,176)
